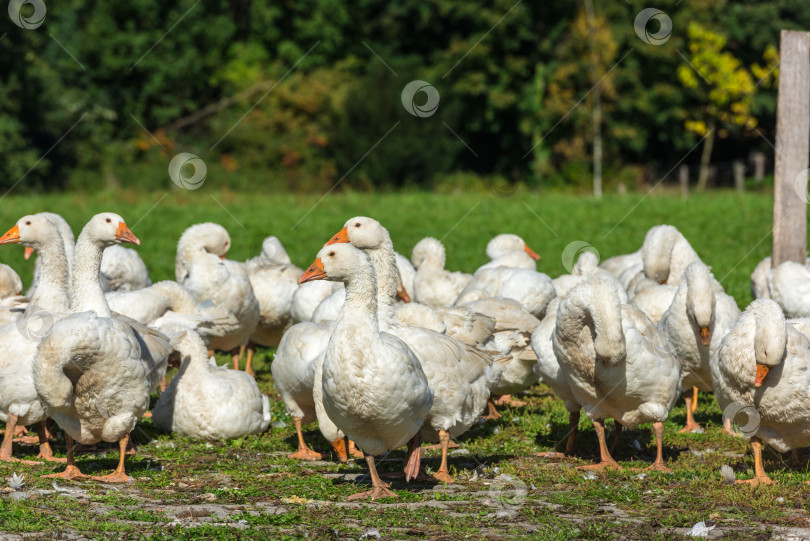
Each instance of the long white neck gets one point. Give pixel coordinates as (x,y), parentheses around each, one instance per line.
(597,307)
(52,282)
(85,292)
(385,267)
(358,317)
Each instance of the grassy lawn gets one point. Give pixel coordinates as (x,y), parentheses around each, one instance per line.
(247,488)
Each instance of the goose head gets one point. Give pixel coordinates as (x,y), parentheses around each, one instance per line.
(205,238)
(587,264)
(656,251)
(428,252)
(108,228)
(337,263)
(30,231)
(273,251)
(362,232)
(770,336)
(507,243)
(700,299)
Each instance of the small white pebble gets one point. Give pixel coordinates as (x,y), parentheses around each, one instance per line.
(780,499)
(496,430)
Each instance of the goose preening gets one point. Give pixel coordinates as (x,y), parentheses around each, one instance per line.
(433,285)
(763,366)
(665,254)
(374,388)
(93,373)
(615,362)
(124,269)
(587,265)
(10,283)
(201,266)
(694,325)
(19,403)
(207,401)
(274,280)
(460,377)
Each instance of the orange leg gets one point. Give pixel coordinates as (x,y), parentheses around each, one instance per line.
(571,443)
(760,477)
(694,398)
(492,413)
(304,452)
(443,474)
(414,457)
(236,354)
(71,471)
(691,425)
(379,489)
(120,474)
(5,447)
(354,451)
(659,465)
(606,461)
(251,349)
(45,451)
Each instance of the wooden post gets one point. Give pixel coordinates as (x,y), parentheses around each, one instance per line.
(792,149)
(683,179)
(739,175)
(758,159)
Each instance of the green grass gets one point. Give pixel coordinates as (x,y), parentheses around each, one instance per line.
(248,488)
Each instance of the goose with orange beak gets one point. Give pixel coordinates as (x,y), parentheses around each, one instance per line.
(763,372)
(698,318)
(361,361)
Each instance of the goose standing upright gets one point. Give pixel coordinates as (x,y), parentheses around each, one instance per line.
(460,377)
(764,366)
(615,364)
(202,268)
(94,372)
(19,403)
(374,388)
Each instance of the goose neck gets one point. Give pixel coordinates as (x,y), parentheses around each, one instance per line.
(86,293)
(52,285)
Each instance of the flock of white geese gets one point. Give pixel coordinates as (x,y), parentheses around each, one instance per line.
(385,352)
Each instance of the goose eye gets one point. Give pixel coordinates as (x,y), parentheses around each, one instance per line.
(108,220)
(28,223)
(357,224)
(331,254)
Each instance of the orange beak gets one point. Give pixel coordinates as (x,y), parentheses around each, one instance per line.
(762,371)
(125,235)
(339,445)
(341,236)
(314,272)
(28,253)
(534,255)
(705,335)
(223,256)
(402,294)
(12,236)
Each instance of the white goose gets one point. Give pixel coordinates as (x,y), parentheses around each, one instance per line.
(10,283)
(587,265)
(19,403)
(789,286)
(202,268)
(764,366)
(507,250)
(665,254)
(207,401)
(433,285)
(94,373)
(374,388)
(275,280)
(615,363)
(124,269)
(460,377)
(695,324)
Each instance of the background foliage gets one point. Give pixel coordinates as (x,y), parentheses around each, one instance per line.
(294,95)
